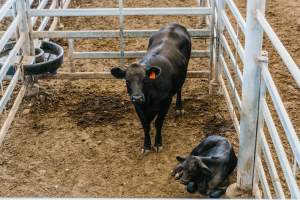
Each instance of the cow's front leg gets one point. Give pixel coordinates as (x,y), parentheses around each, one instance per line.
(164,107)
(145,120)
(147,139)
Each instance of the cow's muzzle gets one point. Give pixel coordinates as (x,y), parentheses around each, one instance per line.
(138,98)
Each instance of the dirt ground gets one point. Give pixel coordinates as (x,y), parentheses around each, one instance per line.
(83,138)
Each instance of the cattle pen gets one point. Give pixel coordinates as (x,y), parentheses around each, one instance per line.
(237,62)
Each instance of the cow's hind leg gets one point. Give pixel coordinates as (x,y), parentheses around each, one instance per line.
(179,109)
(159,123)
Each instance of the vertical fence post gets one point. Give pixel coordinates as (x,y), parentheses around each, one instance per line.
(24,28)
(202,19)
(263,62)
(70,54)
(15,13)
(121,22)
(212,42)
(30,27)
(250,97)
(216,71)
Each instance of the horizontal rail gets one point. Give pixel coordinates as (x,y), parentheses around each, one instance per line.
(9,32)
(107,75)
(127,54)
(12,113)
(236,13)
(234,37)
(282,114)
(5,8)
(231,83)
(231,56)
(263,180)
(271,166)
(282,51)
(285,166)
(230,106)
(9,90)
(190,11)
(110,33)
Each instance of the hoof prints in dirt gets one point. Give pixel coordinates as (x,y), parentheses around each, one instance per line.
(99,110)
(207,111)
(43,102)
(216,124)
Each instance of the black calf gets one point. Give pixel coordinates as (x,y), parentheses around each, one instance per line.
(207,168)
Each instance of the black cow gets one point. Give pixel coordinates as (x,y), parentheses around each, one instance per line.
(153,81)
(207,168)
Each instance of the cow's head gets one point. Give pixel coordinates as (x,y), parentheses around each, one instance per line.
(193,172)
(136,76)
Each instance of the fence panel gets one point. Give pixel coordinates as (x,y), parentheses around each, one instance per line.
(256,80)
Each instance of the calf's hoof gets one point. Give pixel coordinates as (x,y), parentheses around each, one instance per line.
(178,175)
(158,149)
(217,193)
(179,112)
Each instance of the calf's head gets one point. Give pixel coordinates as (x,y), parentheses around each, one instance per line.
(193,172)
(136,76)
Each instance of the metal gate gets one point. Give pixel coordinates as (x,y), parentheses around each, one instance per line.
(246,102)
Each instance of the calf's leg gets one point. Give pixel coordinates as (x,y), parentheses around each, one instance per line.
(219,190)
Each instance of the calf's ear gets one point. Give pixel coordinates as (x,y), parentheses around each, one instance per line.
(206,172)
(118,73)
(180,158)
(153,72)
(204,169)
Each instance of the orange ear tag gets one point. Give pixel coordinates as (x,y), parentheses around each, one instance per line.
(152,75)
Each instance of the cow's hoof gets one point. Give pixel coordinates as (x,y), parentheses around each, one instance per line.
(179,112)
(158,149)
(145,152)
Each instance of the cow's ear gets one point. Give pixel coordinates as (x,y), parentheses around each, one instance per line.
(180,159)
(153,72)
(118,72)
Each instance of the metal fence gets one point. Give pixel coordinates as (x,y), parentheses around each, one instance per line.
(248,110)
(20,30)
(121,34)
(251,107)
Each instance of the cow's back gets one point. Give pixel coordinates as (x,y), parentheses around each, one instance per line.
(173,42)
(169,49)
